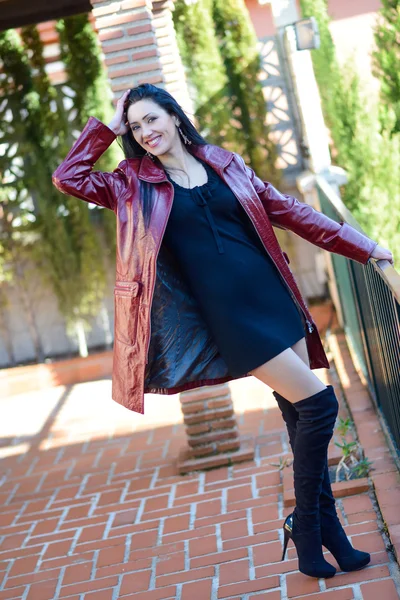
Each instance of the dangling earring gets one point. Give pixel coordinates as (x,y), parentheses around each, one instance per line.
(184,137)
(149,155)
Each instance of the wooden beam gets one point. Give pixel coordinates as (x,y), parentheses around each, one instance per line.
(17,13)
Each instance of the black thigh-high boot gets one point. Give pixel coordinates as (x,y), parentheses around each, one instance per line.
(333,536)
(317,416)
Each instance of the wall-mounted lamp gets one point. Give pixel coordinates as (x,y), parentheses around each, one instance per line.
(307,34)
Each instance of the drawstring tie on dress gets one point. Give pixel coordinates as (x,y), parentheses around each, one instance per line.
(200,197)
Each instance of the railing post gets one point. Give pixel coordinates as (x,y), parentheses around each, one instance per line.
(212,431)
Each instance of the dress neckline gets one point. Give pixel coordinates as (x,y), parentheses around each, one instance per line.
(209,184)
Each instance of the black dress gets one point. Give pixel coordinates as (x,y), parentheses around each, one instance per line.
(240,293)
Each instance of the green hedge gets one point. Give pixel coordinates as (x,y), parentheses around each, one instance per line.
(362,141)
(387,57)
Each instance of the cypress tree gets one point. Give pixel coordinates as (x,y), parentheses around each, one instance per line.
(86,76)
(67,251)
(386,58)
(238,47)
(340,96)
(7,272)
(21,130)
(205,70)
(367,151)
(219,50)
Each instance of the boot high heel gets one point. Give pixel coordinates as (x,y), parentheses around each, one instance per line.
(287,533)
(309,550)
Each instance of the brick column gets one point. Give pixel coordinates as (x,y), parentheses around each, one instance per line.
(129,43)
(173,71)
(213,436)
(139,44)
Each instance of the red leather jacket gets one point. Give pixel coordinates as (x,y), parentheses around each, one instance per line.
(161,343)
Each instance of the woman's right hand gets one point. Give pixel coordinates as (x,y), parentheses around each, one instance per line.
(380,253)
(118,123)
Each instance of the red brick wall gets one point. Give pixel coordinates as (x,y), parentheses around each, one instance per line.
(20,380)
(139,44)
(261,16)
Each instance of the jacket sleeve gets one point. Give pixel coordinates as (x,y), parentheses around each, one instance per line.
(75,175)
(288,213)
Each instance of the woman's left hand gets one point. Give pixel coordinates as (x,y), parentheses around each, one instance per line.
(382,254)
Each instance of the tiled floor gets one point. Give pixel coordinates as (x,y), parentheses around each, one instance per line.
(92,508)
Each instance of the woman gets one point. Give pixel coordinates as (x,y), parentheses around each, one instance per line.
(204,294)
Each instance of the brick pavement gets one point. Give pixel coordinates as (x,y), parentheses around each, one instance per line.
(92,508)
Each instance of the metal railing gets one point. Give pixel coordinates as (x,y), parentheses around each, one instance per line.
(369,296)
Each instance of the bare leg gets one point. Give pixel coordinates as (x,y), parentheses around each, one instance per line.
(290,375)
(300,348)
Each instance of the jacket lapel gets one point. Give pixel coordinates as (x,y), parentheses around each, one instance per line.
(216,157)
(151,171)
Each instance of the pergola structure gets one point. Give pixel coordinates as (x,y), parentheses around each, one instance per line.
(16,13)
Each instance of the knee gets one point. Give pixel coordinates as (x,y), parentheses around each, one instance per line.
(323,404)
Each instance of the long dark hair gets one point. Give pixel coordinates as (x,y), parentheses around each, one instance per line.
(132,149)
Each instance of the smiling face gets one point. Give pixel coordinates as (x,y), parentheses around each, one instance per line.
(153,128)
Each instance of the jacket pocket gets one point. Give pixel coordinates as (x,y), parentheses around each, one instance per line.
(126,311)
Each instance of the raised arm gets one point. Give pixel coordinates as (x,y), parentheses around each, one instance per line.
(315,227)
(75,175)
